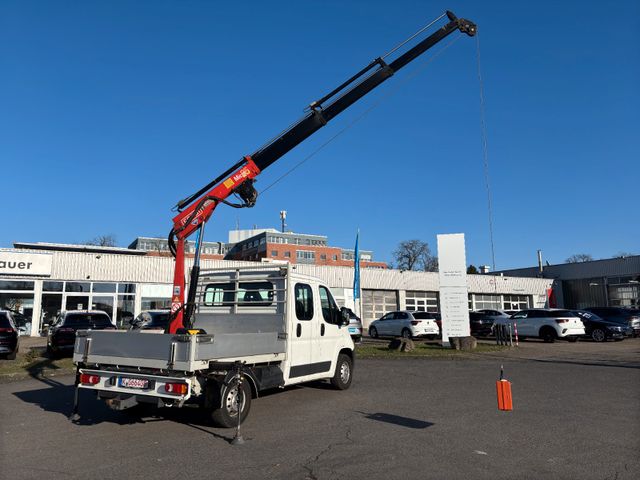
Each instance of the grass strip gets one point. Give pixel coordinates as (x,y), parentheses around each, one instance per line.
(34,363)
(424,350)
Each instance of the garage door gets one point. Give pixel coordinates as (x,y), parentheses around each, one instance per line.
(375,303)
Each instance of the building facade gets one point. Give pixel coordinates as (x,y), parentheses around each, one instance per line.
(40,282)
(611,282)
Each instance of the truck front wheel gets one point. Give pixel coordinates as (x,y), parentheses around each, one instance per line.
(225,413)
(344,372)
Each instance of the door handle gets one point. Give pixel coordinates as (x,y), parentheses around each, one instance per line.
(299,330)
(322,330)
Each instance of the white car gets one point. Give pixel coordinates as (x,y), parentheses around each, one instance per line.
(405,324)
(548,324)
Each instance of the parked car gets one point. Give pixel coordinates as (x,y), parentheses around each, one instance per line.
(61,335)
(599,329)
(481,323)
(9,342)
(355,326)
(622,316)
(22,322)
(548,324)
(405,324)
(496,314)
(151,320)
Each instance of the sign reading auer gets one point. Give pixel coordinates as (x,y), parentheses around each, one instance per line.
(454,296)
(14,263)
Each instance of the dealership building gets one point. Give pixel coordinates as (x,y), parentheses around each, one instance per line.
(39,280)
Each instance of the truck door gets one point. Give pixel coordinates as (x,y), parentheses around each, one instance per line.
(327,332)
(302,323)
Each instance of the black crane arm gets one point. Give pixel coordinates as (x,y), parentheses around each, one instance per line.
(339,99)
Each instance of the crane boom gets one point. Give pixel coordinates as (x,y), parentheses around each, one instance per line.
(196,209)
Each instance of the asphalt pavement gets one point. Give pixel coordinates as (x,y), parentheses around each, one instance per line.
(576,416)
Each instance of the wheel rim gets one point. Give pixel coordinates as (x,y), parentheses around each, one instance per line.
(345,372)
(597,335)
(374,332)
(231,401)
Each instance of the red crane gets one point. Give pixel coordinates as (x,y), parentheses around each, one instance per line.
(196,209)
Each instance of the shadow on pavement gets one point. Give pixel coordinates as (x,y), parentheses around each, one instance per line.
(396,420)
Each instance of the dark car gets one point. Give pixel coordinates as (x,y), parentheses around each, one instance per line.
(601,330)
(481,323)
(622,316)
(151,320)
(8,336)
(62,332)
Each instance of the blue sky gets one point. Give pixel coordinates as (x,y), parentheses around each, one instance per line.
(113,111)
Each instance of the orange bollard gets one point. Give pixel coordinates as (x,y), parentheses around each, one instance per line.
(503,388)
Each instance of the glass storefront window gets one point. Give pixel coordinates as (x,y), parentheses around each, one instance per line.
(51,307)
(22,306)
(104,303)
(104,287)
(52,286)
(15,285)
(125,310)
(126,288)
(155,303)
(77,287)
(77,302)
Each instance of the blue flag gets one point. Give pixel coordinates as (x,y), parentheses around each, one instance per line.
(356,271)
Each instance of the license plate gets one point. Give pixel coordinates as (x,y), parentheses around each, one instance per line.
(137,383)
(353,330)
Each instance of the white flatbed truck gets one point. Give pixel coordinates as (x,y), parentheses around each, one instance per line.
(282,327)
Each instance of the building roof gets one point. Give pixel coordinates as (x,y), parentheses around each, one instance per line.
(574,271)
(66,247)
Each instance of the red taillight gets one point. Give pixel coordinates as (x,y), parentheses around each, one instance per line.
(562,320)
(6,329)
(415,322)
(176,388)
(89,379)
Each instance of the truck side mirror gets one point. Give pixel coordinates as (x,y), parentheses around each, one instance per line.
(344,316)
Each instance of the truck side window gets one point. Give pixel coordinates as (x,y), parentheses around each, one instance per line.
(304,301)
(329,307)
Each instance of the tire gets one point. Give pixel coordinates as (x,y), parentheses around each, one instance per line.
(344,372)
(548,334)
(373,332)
(406,333)
(572,339)
(226,416)
(598,335)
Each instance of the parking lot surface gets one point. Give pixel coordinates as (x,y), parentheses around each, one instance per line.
(576,415)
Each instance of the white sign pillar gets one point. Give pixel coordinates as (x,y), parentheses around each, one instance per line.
(454,293)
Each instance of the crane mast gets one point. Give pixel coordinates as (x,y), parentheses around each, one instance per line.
(196,209)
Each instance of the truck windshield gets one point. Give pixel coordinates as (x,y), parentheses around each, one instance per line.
(249,294)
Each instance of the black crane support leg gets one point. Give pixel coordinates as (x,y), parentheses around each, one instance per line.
(76,399)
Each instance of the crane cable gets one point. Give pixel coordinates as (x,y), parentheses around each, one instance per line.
(485,155)
(363,114)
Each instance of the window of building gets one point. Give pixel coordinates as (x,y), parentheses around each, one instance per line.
(422,301)
(335,258)
(486,302)
(323,256)
(274,253)
(516,302)
(305,256)
(287,254)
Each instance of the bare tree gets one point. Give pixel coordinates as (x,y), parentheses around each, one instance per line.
(579,258)
(471,269)
(415,255)
(103,241)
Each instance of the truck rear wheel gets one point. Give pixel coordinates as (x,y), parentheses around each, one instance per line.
(344,372)
(226,415)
